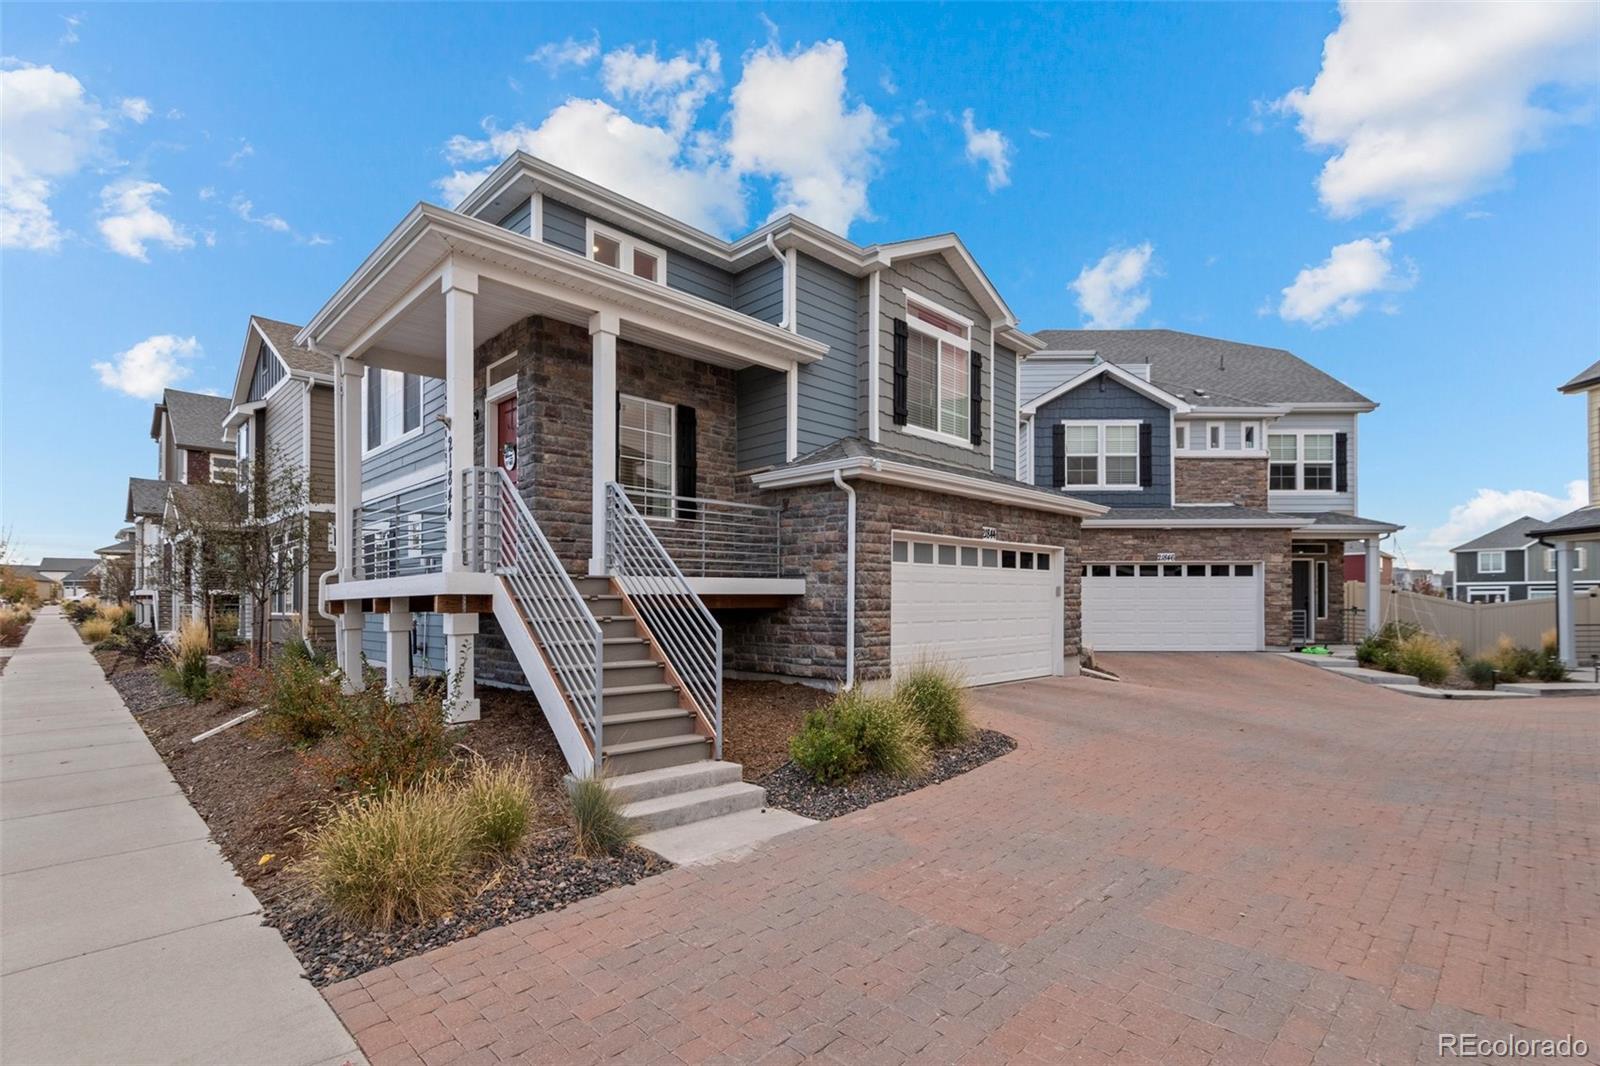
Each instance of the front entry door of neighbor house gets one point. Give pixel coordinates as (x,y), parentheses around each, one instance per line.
(1301,609)
(506,459)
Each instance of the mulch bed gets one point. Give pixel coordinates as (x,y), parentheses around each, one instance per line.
(759,717)
(546,876)
(793,789)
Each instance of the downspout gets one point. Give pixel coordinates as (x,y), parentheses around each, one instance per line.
(783,260)
(849,584)
(339,495)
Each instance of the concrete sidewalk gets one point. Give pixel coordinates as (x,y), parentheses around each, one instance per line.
(125,936)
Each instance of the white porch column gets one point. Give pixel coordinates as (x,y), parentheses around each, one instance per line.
(397,654)
(347,431)
(460,285)
(1566,605)
(603,328)
(1374,587)
(461,637)
(347,641)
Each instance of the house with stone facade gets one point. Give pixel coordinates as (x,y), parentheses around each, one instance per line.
(1229,474)
(588,450)
(281,415)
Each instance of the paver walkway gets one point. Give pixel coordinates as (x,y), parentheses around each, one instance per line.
(125,936)
(1223,859)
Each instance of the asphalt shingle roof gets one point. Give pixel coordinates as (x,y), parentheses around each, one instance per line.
(121,547)
(197,419)
(1583,520)
(69,564)
(281,336)
(1513,534)
(1590,375)
(1229,373)
(147,496)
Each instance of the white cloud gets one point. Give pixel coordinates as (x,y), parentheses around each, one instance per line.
(990,148)
(129,219)
(1338,288)
(153,364)
(791,122)
(70,35)
(1426,104)
(568,53)
(887,83)
(51,130)
(208,192)
(240,154)
(246,210)
(136,108)
(1110,292)
(673,88)
(1490,509)
(1035,132)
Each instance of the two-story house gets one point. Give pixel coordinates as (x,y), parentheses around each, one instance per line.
(1229,471)
(1510,564)
(1574,538)
(71,573)
(282,413)
(615,456)
(146,508)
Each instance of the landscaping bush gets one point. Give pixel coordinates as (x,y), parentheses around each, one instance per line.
(377,745)
(142,642)
(81,611)
(1481,672)
(499,803)
(823,752)
(118,615)
(1378,650)
(1549,668)
(1513,660)
(1425,657)
(96,629)
(598,827)
(187,669)
(1549,643)
(13,624)
(243,686)
(402,856)
(934,696)
(298,700)
(856,732)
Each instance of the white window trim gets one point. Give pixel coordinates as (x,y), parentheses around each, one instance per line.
(492,396)
(965,343)
(1221,430)
(1488,590)
(1246,427)
(628,246)
(422,422)
(672,451)
(1319,577)
(1180,436)
(1300,436)
(1100,458)
(1483,569)
(1580,559)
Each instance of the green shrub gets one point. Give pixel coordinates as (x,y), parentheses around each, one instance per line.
(13,624)
(1549,643)
(298,699)
(823,752)
(187,670)
(598,826)
(81,611)
(1549,668)
(96,629)
(402,856)
(1425,657)
(887,737)
(1514,660)
(377,744)
(1380,650)
(934,696)
(1481,672)
(499,805)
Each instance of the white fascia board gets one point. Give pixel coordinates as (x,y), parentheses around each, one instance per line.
(1193,523)
(1265,411)
(1132,381)
(241,413)
(910,475)
(1331,408)
(1353,530)
(1026,345)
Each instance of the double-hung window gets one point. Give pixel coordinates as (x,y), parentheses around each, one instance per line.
(1316,467)
(1102,454)
(645,458)
(938,369)
(1579,559)
(1282,459)
(394,406)
(1491,562)
(1300,462)
(626,253)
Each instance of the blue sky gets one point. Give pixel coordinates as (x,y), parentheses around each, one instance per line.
(1417,211)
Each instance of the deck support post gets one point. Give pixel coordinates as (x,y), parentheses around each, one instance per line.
(603,327)
(347,633)
(461,634)
(397,655)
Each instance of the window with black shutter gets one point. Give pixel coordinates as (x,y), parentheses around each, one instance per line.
(976,384)
(685,441)
(1341,462)
(901,372)
(1146,466)
(1058,455)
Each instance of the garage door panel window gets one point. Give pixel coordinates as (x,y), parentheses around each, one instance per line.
(1103,455)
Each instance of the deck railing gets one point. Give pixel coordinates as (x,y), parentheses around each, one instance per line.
(714,538)
(403,533)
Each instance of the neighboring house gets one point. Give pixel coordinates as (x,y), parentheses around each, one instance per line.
(1230,474)
(152,554)
(1574,538)
(282,411)
(43,587)
(576,427)
(1509,564)
(72,574)
(1355,567)
(1413,579)
(114,557)
(187,429)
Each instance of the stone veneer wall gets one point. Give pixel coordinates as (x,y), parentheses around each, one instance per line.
(1332,628)
(806,638)
(1238,481)
(1269,546)
(197,466)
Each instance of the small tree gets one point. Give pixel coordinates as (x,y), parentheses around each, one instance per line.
(1423,585)
(117,584)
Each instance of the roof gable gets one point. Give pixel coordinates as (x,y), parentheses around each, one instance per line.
(1513,536)
(1115,373)
(196,419)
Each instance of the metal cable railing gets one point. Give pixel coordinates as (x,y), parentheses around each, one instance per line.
(715,538)
(403,533)
(500,536)
(682,626)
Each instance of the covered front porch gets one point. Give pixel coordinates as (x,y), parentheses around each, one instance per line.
(1318,613)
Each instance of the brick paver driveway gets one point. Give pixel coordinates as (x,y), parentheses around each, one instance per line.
(1225,859)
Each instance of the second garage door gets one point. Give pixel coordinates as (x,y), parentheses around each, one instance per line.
(1172,607)
(992,611)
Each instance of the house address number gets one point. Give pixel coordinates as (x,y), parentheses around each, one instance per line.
(990,533)
(1166,557)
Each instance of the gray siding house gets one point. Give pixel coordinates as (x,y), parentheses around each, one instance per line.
(1509,564)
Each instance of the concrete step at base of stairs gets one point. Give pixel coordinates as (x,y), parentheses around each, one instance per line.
(717,839)
(651,784)
(632,756)
(681,808)
(624,728)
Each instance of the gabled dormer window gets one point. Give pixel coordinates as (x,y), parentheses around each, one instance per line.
(622,252)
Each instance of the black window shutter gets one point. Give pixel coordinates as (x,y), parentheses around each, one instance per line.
(1341,462)
(1058,455)
(688,470)
(1146,465)
(977,397)
(901,372)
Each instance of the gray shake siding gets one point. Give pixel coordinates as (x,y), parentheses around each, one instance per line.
(826,311)
(1516,569)
(762,394)
(1000,397)
(1304,502)
(690,275)
(286,426)
(424,449)
(564,226)
(1107,400)
(929,276)
(322,460)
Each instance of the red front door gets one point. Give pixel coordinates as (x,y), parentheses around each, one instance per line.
(506,435)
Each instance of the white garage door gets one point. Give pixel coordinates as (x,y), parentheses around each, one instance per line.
(991,611)
(1172,607)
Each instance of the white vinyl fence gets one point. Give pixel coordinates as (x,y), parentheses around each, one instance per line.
(1478,627)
